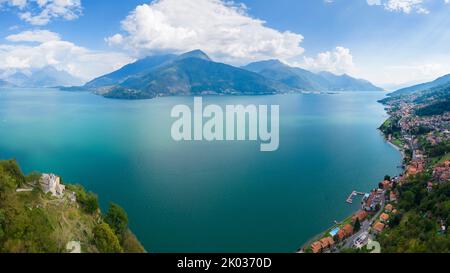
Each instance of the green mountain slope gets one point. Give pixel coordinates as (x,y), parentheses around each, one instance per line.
(193,74)
(34,222)
(422,87)
(305,80)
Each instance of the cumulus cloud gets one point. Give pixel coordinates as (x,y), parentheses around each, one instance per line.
(224,30)
(338,61)
(41,12)
(406,6)
(51,50)
(41,36)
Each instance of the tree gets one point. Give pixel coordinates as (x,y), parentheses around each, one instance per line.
(90,203)
(105,239)
(2,221)
(11,168)
(377,207)
(357,225)
(88,200)
(387,178)
(117,219)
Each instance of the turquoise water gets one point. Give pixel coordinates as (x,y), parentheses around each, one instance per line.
(199,196)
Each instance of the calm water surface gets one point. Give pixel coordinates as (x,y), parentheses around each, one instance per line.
(199,196)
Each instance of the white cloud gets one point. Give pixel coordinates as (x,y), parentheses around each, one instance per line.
(224,30)
(41,12)
(63,55)
(338,61)
(393,76)
(34,36)
(406,6)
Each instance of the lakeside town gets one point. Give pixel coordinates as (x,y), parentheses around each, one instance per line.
(422,136)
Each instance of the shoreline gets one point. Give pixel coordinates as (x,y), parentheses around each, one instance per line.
(322,233)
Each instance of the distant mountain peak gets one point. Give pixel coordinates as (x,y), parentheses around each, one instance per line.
(47,76)
(305,80)
(198,54)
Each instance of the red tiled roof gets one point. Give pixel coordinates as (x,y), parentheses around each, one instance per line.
(341,234)
(384,217)
(378,226)
(388,208)
(361,215)
(327,242)
(316,247)
(348,229)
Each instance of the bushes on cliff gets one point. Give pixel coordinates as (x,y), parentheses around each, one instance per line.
(117,219)
(105,240)
(88,200)
(10,175)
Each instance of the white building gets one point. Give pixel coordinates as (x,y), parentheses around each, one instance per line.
(52,183)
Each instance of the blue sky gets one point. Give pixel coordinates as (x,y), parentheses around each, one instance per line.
(389,42)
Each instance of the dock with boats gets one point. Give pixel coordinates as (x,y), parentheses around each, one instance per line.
(353,195)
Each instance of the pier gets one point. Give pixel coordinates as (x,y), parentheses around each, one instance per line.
(352,195)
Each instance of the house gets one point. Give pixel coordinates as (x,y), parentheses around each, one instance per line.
(416,166)
(378,227)
(392,197)
(441,172)
(361,241)
(52,183)
(384,217)
(345,232)
(388,208)
(316,247)
(341,235)
(371,203)
(348,229)
(327,243)
(386,184)
(360,215)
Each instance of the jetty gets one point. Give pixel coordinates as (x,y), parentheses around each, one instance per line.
(352,195)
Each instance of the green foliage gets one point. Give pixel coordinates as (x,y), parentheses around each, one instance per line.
(33,177)
(391,127)
(2,224)
(30,232)
(417,227)
(131,244)
(105,239)
(88,200)
(437,108)
(31,222)
(10,174)
(117,219)
(355,250)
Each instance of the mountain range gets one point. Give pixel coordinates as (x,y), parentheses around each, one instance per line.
(194,73)
(434,97)
(44,77)
(444,80)
(305,80)
(5,84)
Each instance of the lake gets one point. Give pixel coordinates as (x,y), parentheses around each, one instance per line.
(205,196)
